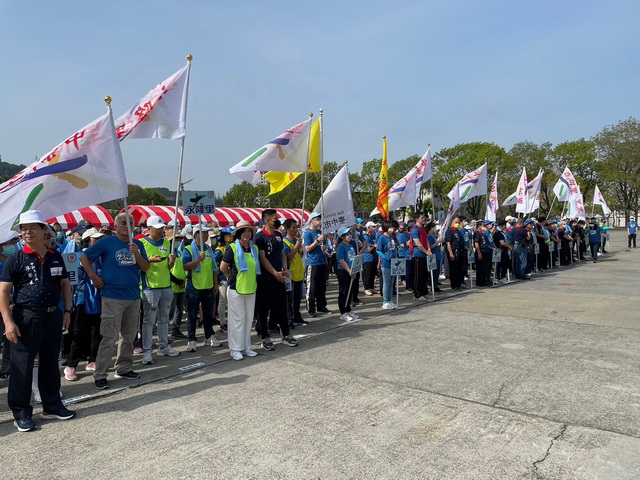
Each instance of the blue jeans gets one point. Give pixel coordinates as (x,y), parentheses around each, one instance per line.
(177,306)
(521,259)
(387,289)
(195,298)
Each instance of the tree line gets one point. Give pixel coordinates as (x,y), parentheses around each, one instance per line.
(610,159)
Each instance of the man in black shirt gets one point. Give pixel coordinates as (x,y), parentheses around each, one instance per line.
(521,238)
(34,326)
(271,295)
(457,253)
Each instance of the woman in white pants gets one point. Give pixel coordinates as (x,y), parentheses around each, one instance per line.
(241,265)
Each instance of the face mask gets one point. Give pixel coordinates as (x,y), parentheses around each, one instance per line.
(348,238)
(8,250)
(390,231)
(60,237)
(465,224)
(456,225)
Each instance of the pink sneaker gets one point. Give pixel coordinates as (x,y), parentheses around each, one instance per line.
(70,374)
(91,367)
(137,350)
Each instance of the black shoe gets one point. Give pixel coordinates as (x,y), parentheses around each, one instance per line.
(437,290)
(325,312)
(274,330)
(131,375)
(290,341)
(178,335)
(63,414)
(357,302)
(267,344)
(102,384)
(312,314)
(292,325)
(25,425)
(463,286)
(301,322)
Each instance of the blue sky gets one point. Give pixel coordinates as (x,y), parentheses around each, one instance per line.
(419,72)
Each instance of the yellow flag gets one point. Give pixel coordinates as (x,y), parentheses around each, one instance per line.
(279,180)
(383,184)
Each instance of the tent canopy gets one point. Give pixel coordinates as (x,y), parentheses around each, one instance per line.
(224,216)
(95,214)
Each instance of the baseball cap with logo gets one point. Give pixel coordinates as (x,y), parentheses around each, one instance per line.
(155,221)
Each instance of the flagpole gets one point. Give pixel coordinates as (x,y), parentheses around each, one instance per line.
(321,172)
(306,172)
(180,163)
(433,200)
(551,208)
(107,100)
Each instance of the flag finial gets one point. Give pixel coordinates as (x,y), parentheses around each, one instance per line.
(384,137)
(107,100)
(189,58)
(311,115)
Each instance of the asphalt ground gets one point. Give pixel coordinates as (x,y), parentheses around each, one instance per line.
(535,379)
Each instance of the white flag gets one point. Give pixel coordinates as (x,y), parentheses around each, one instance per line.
(598,199)
(403,193)
(533,192)
(566,187)
(83,170)
(338,203)
(454,206)
(472,185)
(288,152)
(511,199)
(492,200)
(162,113)
(576,207)
(521,193)
(425,171)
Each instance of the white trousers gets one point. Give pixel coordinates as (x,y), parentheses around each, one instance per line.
(239,319)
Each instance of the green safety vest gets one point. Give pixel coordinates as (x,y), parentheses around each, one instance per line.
(158,273)
(202,280)
(246,282)
(179,273)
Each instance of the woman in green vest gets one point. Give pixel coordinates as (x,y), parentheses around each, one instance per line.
(241,265)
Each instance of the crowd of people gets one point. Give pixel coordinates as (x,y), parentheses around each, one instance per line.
(132,286)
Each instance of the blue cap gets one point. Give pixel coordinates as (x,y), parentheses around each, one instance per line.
(315,215)
(228,230)
(598,216)
(359,220)
(529,222)
(488,222)
(343,230)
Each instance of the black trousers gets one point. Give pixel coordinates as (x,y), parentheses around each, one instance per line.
(271,301)
(483,269)
(40,334)
(368,275)
(86,339)
(632,237)
(316,288)
(457,267)
(420,276)
(294,299)
(344,280)
(355,289)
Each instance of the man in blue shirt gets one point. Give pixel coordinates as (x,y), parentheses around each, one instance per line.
(632,229)
(122,261)
(313,242)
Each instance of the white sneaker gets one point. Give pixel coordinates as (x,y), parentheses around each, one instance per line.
(236,355)
(422,299)
(191,346)
(345,317)
(392,305)
(354,316)
(167,352)
(387,306)
(249,353)
(147,358)
(213,341)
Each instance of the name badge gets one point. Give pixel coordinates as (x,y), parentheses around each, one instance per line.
(56,271)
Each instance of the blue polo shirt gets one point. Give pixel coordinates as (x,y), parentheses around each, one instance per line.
(316,256)
(120,272)
(386,250)
(346,252)
(633,227)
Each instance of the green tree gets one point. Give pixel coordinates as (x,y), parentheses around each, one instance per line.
(618,148)
(451,164)
(582,159)
(535,158)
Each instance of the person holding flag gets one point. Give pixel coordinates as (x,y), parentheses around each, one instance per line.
(313,241)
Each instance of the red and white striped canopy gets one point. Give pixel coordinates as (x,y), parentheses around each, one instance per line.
(95,214)
(224,216)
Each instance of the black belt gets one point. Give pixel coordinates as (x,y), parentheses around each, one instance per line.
(37,308)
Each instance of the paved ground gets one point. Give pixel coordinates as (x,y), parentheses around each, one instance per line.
(537,379)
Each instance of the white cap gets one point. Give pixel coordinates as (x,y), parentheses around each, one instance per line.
(199,227)
(187,232)
(92,233)
(509,218)
(370,224)
(155,221)
(31,216)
